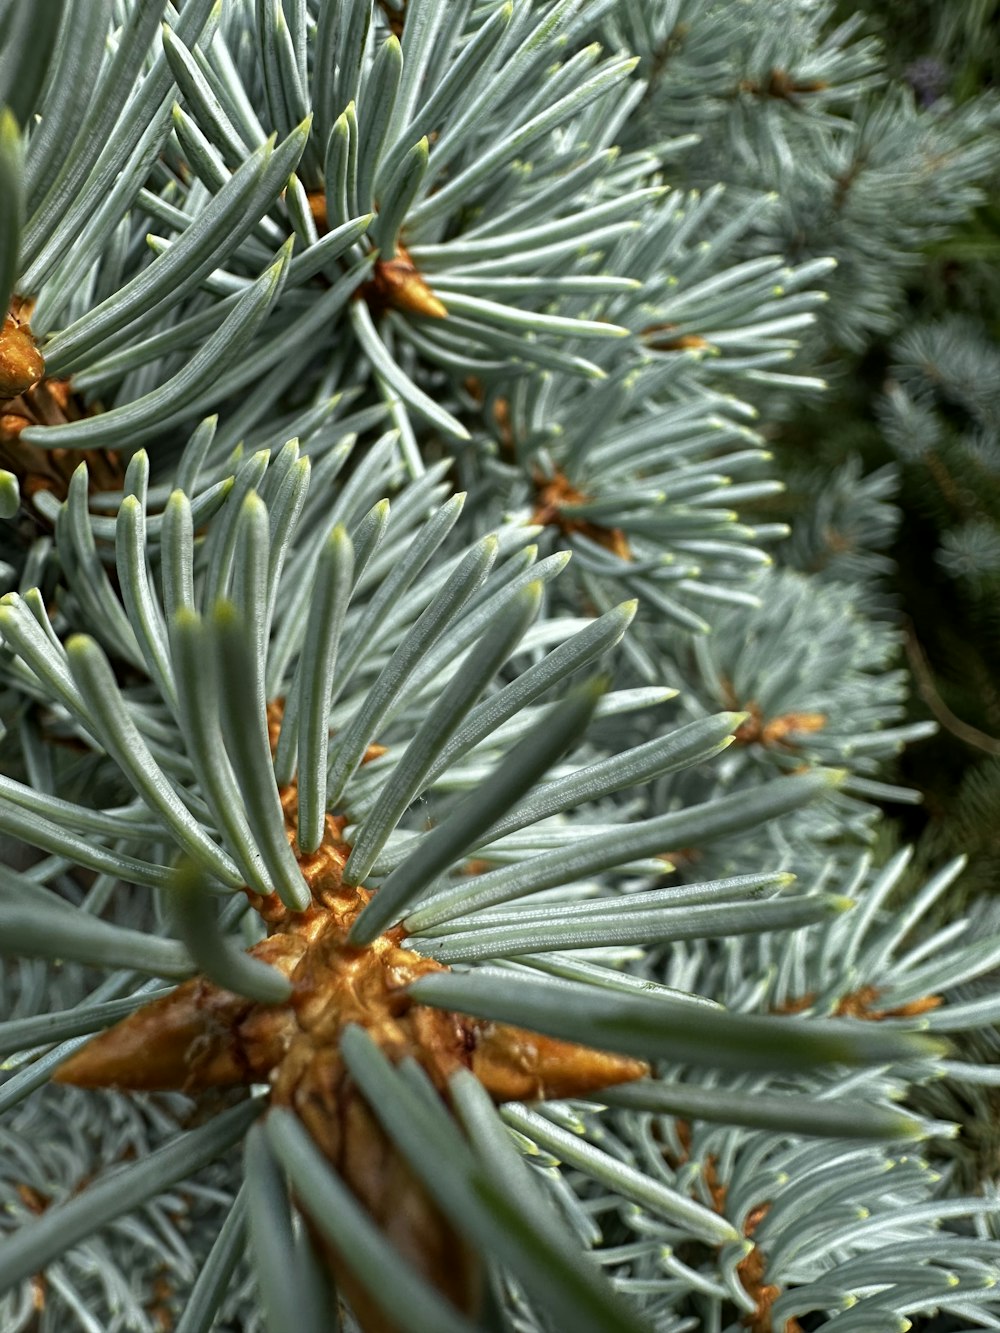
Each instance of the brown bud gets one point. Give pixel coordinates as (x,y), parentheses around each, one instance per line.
(515,1065)
(21,363)
(397,284)
(183,1041)
(199,1036)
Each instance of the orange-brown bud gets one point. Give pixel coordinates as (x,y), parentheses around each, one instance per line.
(515,1065)
(398,284)
(21,363)
(197,1037)
(181,1041)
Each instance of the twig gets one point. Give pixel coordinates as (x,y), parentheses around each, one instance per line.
(921,669)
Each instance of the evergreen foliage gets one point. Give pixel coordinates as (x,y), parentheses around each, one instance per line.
(940,417)
(433,826)
(919,402)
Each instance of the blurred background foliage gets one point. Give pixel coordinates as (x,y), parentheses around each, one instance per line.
(925,401)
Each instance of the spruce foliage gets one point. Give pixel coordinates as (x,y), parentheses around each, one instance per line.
(438,837)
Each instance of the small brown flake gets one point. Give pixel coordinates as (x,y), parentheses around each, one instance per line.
(681,856)
(505,431)
(33,1199)
(658,337)
(476,867)
(552,493)
(782,85)
(862,1003)
(38,1292)
(395,16)
(159,1308)
(316,200)
(775,731)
